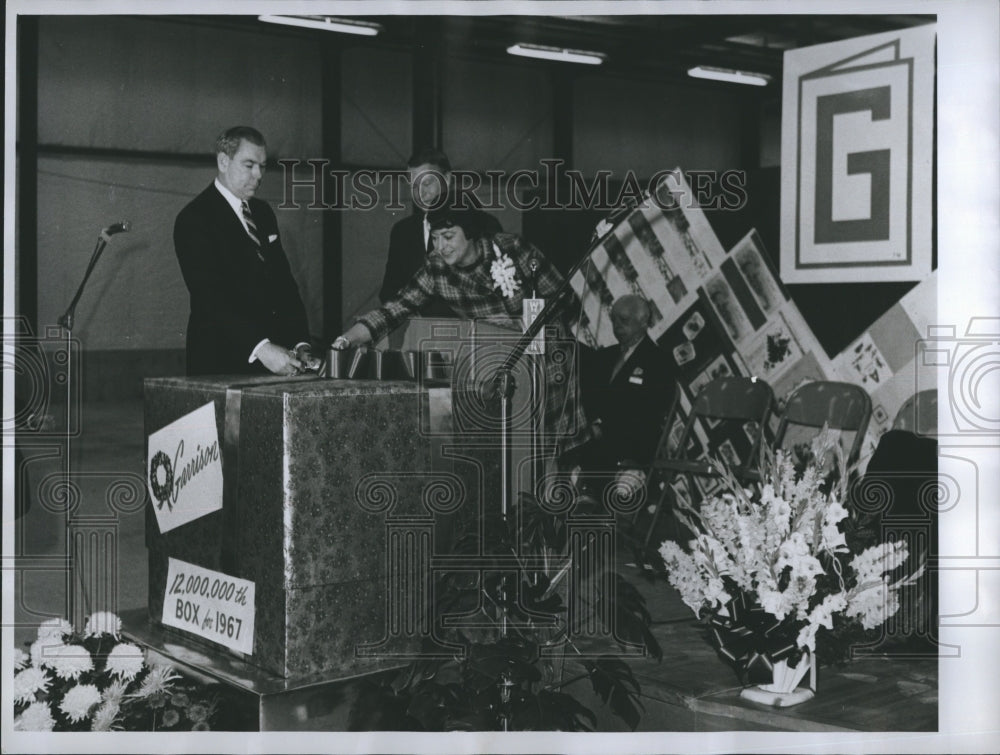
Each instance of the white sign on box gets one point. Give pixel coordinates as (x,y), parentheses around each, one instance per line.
(209,604)
(184,469)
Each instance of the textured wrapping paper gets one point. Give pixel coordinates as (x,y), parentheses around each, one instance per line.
(322,467)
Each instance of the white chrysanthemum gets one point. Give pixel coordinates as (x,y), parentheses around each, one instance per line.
(36,717)
(125,661)
(21,659)
(69,661)
(114,692)
(28,682)
(158,680)
(79,700)
(105,716)
(54,629)
(103,622)
(42,651)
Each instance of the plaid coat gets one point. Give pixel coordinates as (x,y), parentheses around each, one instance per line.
(472,293)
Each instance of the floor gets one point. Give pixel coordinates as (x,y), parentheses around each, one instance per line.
(689,690)
(107,497)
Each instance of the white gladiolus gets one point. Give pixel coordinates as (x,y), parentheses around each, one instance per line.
(778,544)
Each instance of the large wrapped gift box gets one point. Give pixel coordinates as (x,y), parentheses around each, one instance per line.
(315,472)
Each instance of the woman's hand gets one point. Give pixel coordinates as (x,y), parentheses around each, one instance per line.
(356,335)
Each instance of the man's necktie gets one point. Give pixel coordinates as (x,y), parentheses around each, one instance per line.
(252,229)
(619,364)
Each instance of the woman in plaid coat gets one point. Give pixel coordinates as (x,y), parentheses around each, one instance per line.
(485,277)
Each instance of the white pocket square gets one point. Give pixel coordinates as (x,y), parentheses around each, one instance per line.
(272,238)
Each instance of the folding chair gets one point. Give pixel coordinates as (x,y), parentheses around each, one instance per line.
(839,406)
(729,399)
(918,414)
(901,489)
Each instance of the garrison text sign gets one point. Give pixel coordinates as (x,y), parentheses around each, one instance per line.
(184,469)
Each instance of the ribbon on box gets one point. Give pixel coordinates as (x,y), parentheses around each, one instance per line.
(751,639)
(231,513)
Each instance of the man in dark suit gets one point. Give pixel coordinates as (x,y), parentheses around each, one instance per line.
(410,239)
(246,312)
(627,391)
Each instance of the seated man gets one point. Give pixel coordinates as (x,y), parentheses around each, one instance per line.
(627,390)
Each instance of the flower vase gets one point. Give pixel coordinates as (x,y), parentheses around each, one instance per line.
(784,689)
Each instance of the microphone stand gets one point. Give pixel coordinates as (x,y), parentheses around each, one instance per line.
(505,386)
(67,318)
(66,321)
(503,380)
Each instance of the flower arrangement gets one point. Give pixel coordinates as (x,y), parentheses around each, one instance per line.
(504,273)
(95,681)
(770,566)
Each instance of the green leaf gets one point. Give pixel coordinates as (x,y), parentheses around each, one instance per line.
(534,598)
(614,683)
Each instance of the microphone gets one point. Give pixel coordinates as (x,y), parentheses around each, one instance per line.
(122,226)
(606,224)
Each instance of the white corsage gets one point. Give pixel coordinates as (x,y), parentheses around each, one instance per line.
(504,273)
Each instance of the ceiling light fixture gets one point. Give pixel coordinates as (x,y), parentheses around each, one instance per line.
(326,23)
(557,53)
(731,75)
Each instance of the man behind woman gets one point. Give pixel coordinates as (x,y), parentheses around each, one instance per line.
(483,275)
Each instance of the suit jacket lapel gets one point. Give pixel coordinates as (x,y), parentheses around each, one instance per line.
(236,231)
(626,371)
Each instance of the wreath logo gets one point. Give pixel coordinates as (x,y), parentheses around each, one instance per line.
(161,492)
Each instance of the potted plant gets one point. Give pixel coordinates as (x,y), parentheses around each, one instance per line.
(515,655)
